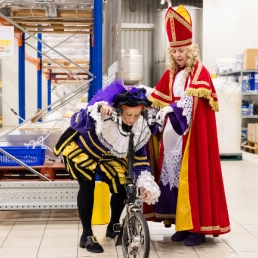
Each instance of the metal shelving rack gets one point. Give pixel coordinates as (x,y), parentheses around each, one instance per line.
(249,94)
(46,194)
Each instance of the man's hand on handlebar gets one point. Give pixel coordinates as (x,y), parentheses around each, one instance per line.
(145,194)
(106,110)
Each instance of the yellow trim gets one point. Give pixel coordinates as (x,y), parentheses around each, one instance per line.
(96,145)
(202,92)
(183,210)
(140,158)
(149,215)
(214,228)
(156,103)
(205,93)
(88,148)
(58,151)
(116,169)
(72,150)
(71,171)
(153,146)
(89,164)
(141,164)
(162,95)
(195,80)
(70,153)
(123,161)
(164,216)
(180,43)
(114,185)
(77,118)
(111,169)
(160,216)
(82,172)
(75,154)
(103,169)
(183,12)
(78,156)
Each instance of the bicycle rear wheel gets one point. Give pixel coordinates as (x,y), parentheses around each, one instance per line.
(136,236)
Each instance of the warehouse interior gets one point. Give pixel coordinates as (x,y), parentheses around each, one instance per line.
(59,54)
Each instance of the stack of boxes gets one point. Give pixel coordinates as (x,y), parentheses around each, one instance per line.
(252,138)
(250,62)
(250,59)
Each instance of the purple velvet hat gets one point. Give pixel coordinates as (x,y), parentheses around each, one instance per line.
(116,95)
(133,97)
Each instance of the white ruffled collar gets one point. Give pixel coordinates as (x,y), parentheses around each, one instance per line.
(109,135)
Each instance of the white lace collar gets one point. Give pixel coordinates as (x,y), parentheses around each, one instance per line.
(109,135)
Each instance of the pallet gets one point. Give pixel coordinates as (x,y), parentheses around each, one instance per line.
(231,156)
(53,170)
(251,147)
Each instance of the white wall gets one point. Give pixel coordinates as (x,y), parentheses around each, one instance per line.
(229,27)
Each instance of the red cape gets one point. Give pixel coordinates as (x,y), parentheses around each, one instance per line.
(201,205)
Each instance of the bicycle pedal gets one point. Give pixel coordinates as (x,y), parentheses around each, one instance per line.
(119,238)
(117,227)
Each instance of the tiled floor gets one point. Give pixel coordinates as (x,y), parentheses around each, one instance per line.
(45,234)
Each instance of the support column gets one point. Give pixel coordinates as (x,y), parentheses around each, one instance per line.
(49,76)
(39,73)
(96,50)
(21,78)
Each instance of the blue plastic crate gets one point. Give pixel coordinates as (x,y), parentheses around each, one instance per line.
(30,155)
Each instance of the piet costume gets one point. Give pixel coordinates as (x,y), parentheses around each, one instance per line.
(188,168)
(95,145)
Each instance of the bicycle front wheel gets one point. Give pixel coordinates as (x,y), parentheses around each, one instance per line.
(136,236)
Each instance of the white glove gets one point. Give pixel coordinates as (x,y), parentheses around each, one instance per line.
(150,188)
(161,115)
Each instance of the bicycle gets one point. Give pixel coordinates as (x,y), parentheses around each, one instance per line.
(134,233)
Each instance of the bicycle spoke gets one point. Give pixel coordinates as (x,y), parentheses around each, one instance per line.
(136,240)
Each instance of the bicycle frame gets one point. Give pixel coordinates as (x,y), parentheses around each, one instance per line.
(134,231)
(131,189)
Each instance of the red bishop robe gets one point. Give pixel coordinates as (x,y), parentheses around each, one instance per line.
(201,203)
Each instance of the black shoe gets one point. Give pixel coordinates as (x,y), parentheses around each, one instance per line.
(179,236)
(194,239)
(111,234)
(91,244)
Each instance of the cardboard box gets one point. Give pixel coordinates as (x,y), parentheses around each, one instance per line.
(249,59)
(252,133)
